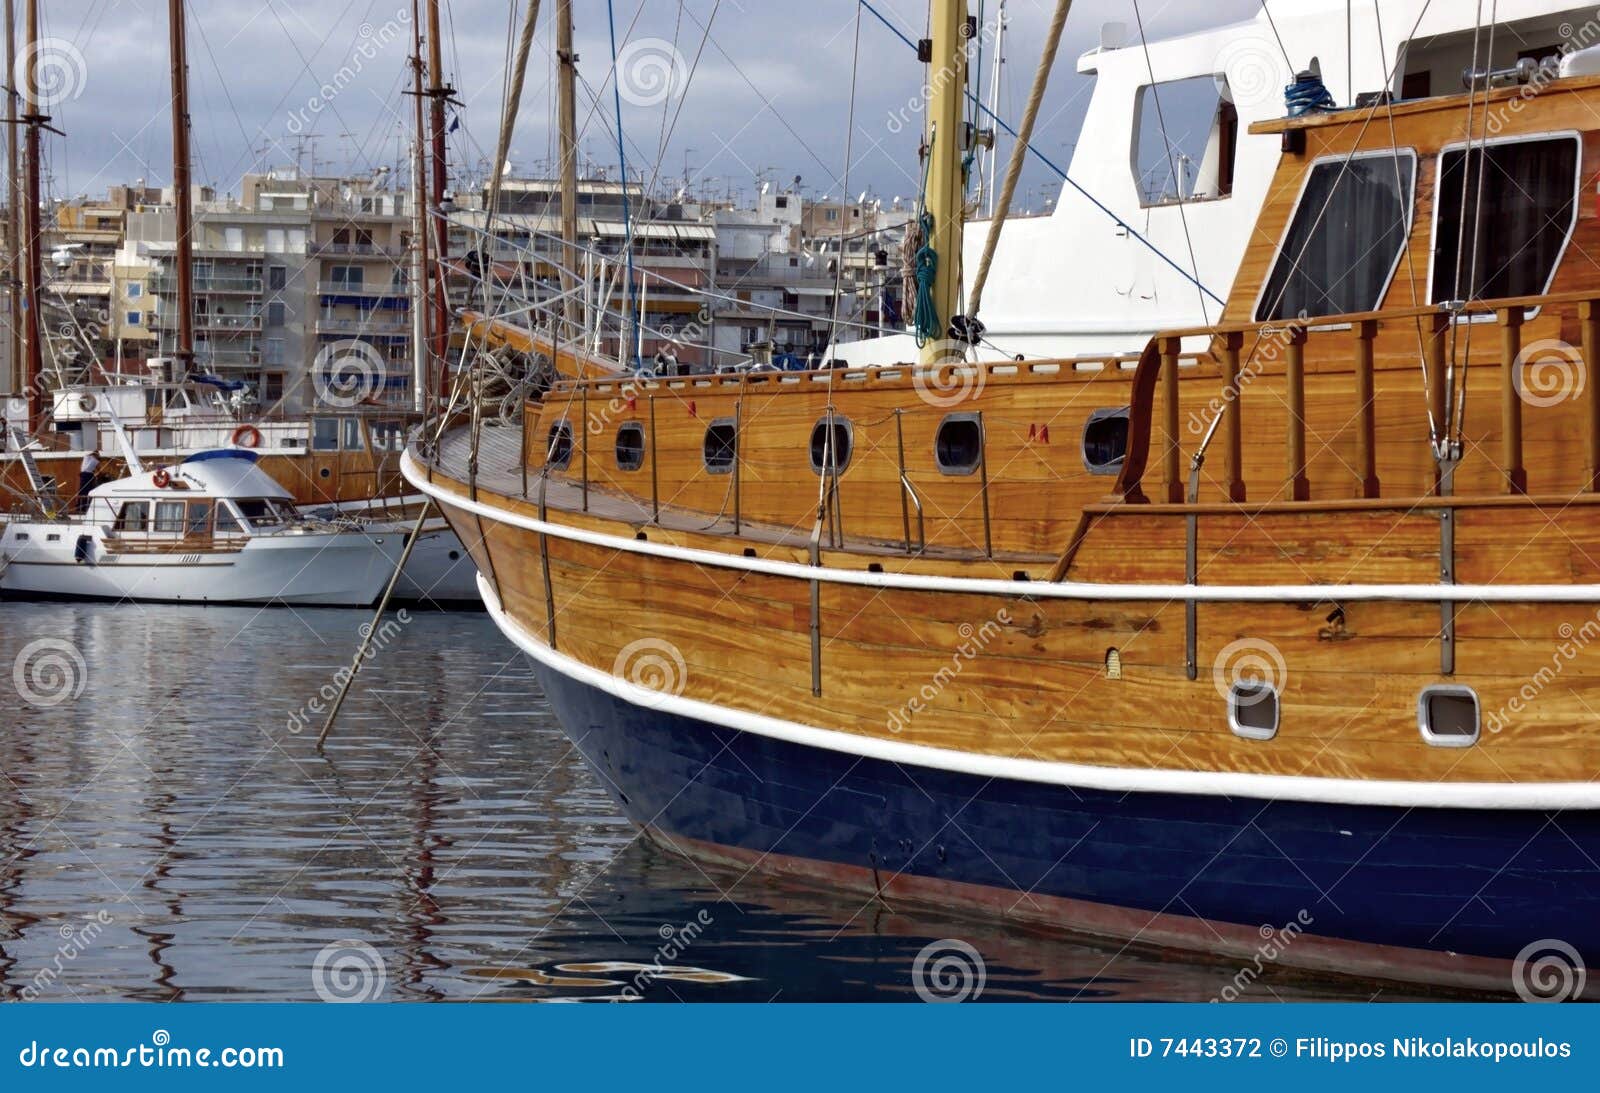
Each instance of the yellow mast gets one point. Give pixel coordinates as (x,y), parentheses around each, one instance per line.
(946,140)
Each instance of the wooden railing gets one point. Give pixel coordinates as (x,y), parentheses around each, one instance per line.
(1158,371)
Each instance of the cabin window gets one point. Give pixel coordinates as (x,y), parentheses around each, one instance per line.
(1253,709)
(721,446)
(227,523)
(958,445)
(350,427)
(1191,157)
(325,434)
(1448,716)
(169,516)
(199,520)
(1105,441)
(1529,206)
(133,516)
(842,442)
(630,446)
(389,436)
(261,512)
(558,445)
(1345,239)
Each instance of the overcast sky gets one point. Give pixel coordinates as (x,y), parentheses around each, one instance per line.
(769,90)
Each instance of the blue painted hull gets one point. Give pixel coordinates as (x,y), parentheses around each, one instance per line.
(1480,883)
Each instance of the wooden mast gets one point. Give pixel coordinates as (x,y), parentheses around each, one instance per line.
(33,268)
(438,94)
(181,197)
(420,345)
(14,378)
(566,109)
(946,140)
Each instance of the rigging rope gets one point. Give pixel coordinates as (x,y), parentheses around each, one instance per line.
(925,262)
(632,346)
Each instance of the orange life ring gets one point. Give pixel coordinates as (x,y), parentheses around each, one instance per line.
(247,436)
(161,478)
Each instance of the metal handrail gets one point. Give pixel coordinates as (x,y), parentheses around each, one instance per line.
(908,490)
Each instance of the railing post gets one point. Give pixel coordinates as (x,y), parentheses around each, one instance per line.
(1511,400)
(1437,409)
(900,459)
(1170,347)
(1367,428)
(738,456)
(1589,312)
(983,470)
(1299,485)
(655,481)
(585,411)
(1233,439)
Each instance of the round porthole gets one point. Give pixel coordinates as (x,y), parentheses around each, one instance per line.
(630,446)
(838,445)
(325,472)
(455,555)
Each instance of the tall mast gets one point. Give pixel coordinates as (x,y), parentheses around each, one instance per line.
(14,380)
(996,73)
(438,93)
(419,226)
(946,139)
(33,268)
(567,109)
(180,185)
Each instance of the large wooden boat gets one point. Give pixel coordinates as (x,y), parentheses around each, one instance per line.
(1287,620)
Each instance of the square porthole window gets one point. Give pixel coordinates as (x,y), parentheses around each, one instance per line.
(1105,441)
(958,445)
(1449,717)
(720,446)
(1253,709)
(630,446)
(558,445)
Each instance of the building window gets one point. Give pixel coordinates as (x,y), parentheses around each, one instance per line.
(135,291)
(958,445)
(1105,441)
(275,313)
(721,446)
(1516,239)
(841,442)
(135,318)
(271,384)
(630,446)
(277,277)
(558,445)
(274,351)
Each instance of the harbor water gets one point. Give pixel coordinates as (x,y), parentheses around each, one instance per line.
(168,831)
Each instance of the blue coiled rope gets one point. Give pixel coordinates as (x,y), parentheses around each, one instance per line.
(1307,94)
(925,269)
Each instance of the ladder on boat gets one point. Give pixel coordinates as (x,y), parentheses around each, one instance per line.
(44,489)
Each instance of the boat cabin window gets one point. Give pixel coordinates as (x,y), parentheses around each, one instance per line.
(350,429)
(841,442)
(630,446)
(1517,223)
(261,512)
(227,523)
(558,445)
(1105,441)
(1191,157)
(199,519)
(388,436)
(1345,239)
(720,447)
(169,516)
(325,434)
(133,516)
(958,445)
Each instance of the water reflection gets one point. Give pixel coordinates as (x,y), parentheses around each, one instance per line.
(171,798)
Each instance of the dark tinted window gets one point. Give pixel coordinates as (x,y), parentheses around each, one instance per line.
(630,446)
(958,446)
(720,447)
(558,445)
(1529,206)
(841,443)
(1346,236)
(1105,441)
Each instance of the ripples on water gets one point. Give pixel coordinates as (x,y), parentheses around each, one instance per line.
(165,835)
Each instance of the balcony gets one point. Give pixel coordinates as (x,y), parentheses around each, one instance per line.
(344,288)
(359,250)
(166,284)
(357,327)
(226,324)
(211,357)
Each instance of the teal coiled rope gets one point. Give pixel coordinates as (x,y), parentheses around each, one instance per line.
(925,268)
